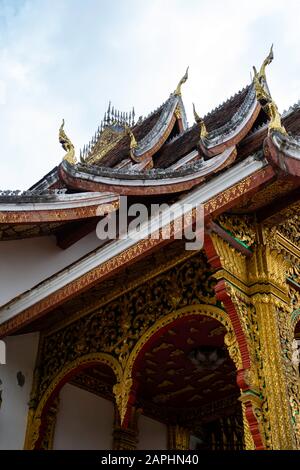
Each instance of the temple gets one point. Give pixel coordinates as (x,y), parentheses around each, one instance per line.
(136,342)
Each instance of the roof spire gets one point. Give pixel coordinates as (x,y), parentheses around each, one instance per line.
(108,113)
(177,92)
(200,122)
(113,115)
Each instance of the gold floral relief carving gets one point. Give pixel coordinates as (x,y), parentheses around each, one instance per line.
(116,327)
(290,228)
(241,227)
(232,260)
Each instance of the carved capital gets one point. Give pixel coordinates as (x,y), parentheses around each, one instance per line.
(269,265)
(231,260)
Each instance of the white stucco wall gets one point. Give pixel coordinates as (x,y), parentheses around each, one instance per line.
(20,357)
(152,434)
(25,263)
(84,421)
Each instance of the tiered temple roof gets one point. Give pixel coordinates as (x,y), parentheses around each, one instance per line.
(160,155)
(241,158)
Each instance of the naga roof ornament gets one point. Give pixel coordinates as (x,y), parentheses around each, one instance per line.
(67,145)
(262,71)
(201,123)
(177,92)
(264,97)
(133,142)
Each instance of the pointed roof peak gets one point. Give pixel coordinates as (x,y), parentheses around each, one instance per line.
(177,92)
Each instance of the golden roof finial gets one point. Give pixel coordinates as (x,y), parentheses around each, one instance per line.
(264,97)
(67,145)
(267,61)
(133,142)
(177,92)
(201,123)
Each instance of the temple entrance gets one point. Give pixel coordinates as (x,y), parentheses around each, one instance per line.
(176,389)
(187,381)
(85,413)
(77,410)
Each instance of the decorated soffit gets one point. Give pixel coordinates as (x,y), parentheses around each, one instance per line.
(187,366)
(20,231)
(186,373)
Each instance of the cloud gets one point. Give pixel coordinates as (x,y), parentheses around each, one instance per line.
(68,58)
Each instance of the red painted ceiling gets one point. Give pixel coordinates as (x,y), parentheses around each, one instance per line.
(167,375)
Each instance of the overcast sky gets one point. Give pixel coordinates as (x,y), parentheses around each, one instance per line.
(68,58)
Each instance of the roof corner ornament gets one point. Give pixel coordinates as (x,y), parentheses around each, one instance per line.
(201,124)
(177,92)
(264,97)
(133,142)
(67,145)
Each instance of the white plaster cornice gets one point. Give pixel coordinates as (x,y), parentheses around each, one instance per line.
(62,201)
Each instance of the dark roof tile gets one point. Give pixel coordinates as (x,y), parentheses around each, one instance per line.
(181,146)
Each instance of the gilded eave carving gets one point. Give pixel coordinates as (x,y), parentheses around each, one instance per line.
(242,227)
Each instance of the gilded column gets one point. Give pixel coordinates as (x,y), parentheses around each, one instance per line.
(178,438)
(232,290)
(269,293)
(126,438)
(252,265)
(50,423)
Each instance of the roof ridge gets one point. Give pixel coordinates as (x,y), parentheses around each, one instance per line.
(226,101)
(290,109)
(139,122)
(33,192)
